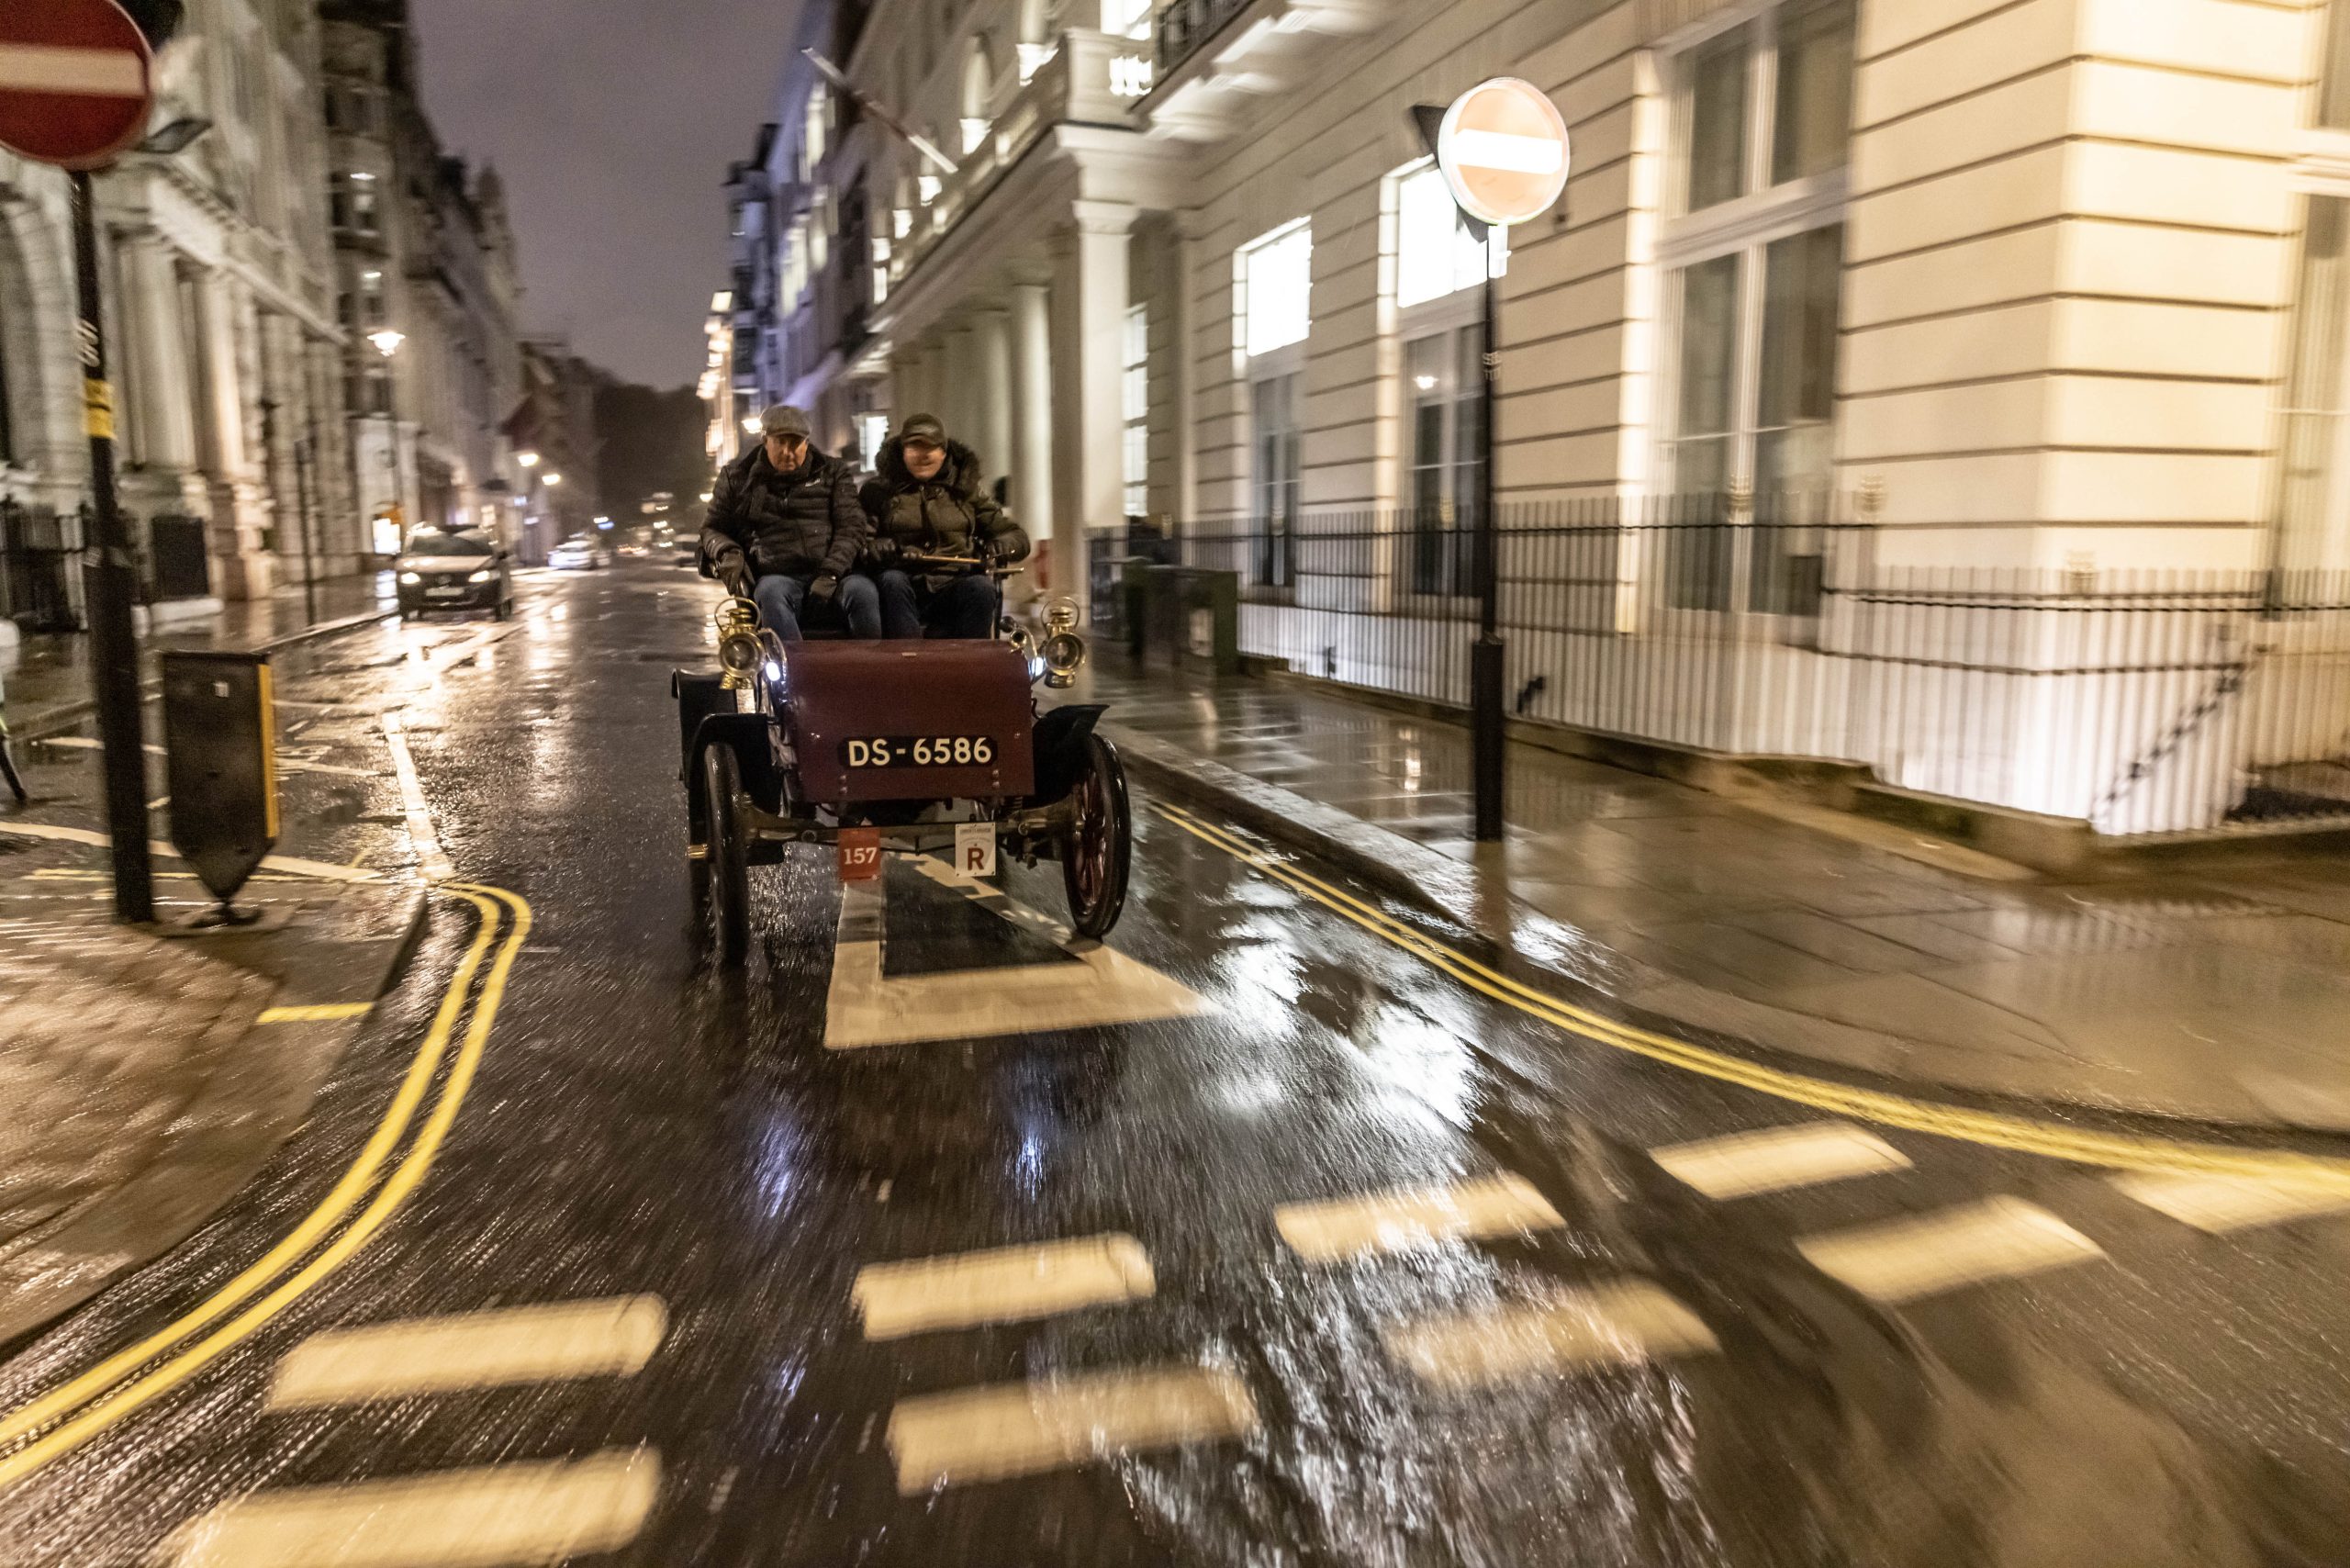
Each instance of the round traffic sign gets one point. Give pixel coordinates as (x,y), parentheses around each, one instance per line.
(1502,148)
(75,86)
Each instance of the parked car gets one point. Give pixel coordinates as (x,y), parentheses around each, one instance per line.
(580,554)
(458,569)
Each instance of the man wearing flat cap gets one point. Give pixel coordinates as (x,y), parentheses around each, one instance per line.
(783,527)
(929,507)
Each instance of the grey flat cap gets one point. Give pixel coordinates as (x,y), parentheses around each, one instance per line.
(785,419)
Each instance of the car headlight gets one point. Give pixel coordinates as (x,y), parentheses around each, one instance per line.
(411,577)
(738,655)
(483,576)
(1064,655)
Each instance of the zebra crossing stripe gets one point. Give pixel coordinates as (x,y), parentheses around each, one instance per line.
(458,1519)
(1024,1428)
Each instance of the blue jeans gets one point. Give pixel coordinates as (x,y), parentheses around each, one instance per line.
(960,607)
(779,599)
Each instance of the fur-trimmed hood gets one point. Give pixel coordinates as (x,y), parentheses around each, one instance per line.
(961,475)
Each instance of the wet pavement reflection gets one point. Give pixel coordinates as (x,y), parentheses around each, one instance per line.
(1345,1264)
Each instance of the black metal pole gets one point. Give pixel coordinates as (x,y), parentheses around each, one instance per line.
(108,584)
(1487,726)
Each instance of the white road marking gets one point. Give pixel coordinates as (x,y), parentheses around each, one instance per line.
(1011,1285)
(1412,1218)
(611,1337)
(2219,1205)
(1022,1429)
(457,1519)
(865,1008)
(1779,1158)
(1998,1238)
(291,865)
(428,855)
(1623,1323)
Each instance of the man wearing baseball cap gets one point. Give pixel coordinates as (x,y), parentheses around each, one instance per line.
(783,527)
(931,506)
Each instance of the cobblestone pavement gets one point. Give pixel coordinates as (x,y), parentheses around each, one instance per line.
(2210,994)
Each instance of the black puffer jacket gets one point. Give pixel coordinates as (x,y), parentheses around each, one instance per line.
(801,524)
(950,515)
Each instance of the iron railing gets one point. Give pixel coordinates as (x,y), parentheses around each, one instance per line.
(1182,26)
(36,561)
(2142,702)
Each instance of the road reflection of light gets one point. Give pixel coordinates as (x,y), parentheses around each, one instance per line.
(1427,1063)
(776,1164)
(1028,1166)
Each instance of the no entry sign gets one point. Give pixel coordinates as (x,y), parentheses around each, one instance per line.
(1502,148)
(74,86)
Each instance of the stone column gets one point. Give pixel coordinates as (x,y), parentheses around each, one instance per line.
(1089,428)
(162,418)
(992,427)
(1031,458)
(960,395)
(219,385)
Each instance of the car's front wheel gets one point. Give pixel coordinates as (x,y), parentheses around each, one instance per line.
(729,868)
(1098,851)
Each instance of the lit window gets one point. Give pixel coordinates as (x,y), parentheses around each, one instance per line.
(1135,390)
(1436,255)
(1763,119)
(1277,287)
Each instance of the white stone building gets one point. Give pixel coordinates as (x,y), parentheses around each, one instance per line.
(427,291)
(2058,285)
(224,351)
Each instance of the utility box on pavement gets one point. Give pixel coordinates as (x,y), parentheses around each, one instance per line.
(220,746)
(1191,619)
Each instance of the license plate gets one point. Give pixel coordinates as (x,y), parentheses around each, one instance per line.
(861,854)
(919,751)
(445,593)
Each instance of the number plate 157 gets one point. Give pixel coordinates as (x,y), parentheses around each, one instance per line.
(861,854)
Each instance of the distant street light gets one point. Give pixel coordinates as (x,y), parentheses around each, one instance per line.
(705,496)
(527,459)
(553,480)
(750,424)
(388,341)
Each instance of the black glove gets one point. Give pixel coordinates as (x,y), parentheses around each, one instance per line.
(733,574)
(823,587)
(884,552)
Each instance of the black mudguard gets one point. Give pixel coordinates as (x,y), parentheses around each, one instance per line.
(1060,738)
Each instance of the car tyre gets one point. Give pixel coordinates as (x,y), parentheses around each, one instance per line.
(726,866)
(1097,853)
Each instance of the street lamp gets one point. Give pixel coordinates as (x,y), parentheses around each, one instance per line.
(551,480)
(388,341)
(527,459)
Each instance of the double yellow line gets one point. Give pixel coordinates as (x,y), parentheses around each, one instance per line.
(2029,1134)
(390,1168)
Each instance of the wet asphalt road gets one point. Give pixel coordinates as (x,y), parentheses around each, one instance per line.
(641,1125)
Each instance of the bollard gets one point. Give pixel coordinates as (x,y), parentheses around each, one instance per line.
(220,740)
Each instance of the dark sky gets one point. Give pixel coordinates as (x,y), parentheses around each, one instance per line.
(613,122)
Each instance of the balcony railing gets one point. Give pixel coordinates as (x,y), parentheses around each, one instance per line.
(1184,25)
(1087,79)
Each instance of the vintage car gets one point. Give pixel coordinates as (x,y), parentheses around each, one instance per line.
(914,747)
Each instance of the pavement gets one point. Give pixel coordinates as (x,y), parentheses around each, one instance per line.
(147,1075)
(1293,1225)
(2212,995)
(47,676)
